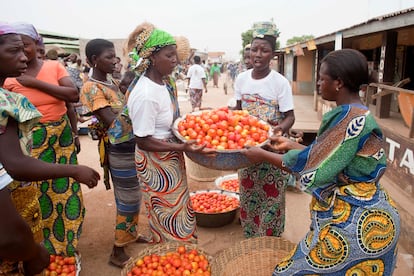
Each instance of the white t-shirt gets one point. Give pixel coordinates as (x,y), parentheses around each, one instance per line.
(150,109)
(5,178)
(196,74)
(273,87)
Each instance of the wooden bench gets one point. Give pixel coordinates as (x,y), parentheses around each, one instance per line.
(377,91)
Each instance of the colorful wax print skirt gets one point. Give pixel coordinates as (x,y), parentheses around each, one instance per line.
(166,195)
(121,160)
(61,200)
(350,237)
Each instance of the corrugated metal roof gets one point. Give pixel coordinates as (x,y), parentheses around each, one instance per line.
(370,21)
(378,18)
(57,35)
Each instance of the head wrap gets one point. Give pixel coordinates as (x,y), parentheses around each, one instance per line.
(260,29)
(6,29)
(26,29)
(148,42)
(266,31)
(40,41)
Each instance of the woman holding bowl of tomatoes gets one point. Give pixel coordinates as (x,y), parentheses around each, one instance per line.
(267,95)
(159,158)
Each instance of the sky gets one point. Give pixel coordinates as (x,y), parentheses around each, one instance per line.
(212,25)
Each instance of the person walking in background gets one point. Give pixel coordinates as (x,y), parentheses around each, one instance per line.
(159,158)
(196,81)
(21,250)
(355,225)
(104,99)
(246,58)
(265,94)
(48,86)
(215,73)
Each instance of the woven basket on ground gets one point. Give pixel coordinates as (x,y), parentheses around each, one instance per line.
(162,249)
(183,48)
(254,256)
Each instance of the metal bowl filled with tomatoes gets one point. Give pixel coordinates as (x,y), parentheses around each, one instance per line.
(226,131)
(229,183)
(214,208)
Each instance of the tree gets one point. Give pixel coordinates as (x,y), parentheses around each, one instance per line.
(299,39)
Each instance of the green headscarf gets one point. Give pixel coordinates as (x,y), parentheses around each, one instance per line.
(148,42)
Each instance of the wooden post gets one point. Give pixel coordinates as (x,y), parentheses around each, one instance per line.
(386,71)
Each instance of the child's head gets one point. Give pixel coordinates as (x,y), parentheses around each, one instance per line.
(126,80)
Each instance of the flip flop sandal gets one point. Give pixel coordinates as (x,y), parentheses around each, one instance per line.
(117,263)
(143,239)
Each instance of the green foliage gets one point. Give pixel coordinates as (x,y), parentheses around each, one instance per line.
(299,39)
(246,37)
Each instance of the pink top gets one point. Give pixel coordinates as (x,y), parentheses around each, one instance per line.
(51,108)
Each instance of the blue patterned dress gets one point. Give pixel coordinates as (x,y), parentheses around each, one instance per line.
(355,224)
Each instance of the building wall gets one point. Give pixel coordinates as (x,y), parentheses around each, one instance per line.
(305,72)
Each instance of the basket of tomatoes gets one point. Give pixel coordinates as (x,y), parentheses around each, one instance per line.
(59,265)
(228,183)
(214,208)
(226,131)
(170,258)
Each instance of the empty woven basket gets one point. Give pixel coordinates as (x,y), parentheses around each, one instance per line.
(183,48)
(254,256)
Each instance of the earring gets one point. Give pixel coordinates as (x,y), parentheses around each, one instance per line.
(94,65)
(337,89)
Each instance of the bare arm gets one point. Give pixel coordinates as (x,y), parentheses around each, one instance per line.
(73,119)
(66,90)
(16,238)
(150,143)
(287,122)
(12,158)
(105,115)
(259,155)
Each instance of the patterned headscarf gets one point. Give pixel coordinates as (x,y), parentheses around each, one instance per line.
(267,31)
(148,42)
(6,29)
(260,29)
(26,29)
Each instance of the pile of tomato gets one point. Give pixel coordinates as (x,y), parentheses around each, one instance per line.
(61,266)
(213,202)
(182,261)
(231,185)
(223,129)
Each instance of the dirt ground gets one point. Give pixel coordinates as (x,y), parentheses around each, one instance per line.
(97,236)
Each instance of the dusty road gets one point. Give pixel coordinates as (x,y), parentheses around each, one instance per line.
(97,237)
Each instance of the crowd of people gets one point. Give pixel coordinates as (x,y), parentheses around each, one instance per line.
(355,225)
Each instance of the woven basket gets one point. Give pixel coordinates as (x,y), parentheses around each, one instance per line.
(162,249)
(254,256)
(183,48)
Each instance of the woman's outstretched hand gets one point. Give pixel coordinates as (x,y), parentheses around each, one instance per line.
(191,146)
(254,154)
(87,176)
